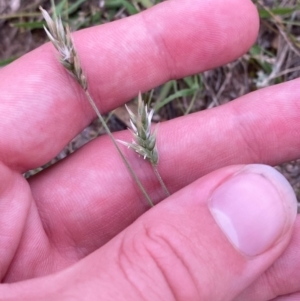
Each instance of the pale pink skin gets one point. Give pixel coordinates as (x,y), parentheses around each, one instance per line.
(70,211)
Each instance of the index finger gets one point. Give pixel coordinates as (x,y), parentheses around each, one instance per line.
(43,108)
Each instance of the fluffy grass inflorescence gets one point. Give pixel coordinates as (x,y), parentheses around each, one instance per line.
(60,37)
(144,142)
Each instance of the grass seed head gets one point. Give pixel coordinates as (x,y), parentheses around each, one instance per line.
(60,36)
(144,142)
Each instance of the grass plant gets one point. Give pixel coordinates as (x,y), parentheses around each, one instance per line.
(144,142)
(60,37)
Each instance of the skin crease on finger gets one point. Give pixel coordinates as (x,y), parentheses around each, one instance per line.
(290,297)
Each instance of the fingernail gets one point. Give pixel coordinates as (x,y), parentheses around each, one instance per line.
(254,208)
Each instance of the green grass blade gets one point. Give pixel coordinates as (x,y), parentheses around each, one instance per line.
(178,94)
(129,7)
(146,3)
(8,61)
(60,7)
(19,15)
(276,11)
(74,7)
(29,25)
(165,91)
(113,4)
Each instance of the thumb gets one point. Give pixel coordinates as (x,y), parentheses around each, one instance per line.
(208,241)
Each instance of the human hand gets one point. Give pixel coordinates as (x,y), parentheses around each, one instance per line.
(81,212)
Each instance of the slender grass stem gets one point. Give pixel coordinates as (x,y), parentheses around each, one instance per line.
(158,176)
(92,103)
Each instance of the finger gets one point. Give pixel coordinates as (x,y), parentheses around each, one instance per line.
(209,241)
(292,297)
(15,202)
(258,128)
(46,108)
(282,278)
